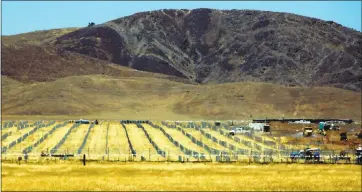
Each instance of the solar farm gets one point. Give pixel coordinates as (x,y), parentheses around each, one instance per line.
(144,155)
(149,141)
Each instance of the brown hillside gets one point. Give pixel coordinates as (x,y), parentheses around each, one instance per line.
(105,97)
(36,37)
(31,63)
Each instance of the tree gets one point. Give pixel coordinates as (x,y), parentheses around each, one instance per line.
(91,24)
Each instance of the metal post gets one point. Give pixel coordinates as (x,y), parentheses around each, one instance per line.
(84,159)
(149,154)
(251,152)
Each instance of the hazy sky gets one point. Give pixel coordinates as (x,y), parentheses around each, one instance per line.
(21,17)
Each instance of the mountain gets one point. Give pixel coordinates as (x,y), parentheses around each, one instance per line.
(213,46)
(32,57)
(185,64)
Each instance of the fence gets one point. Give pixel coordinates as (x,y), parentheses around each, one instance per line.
(173,156)
(85,139)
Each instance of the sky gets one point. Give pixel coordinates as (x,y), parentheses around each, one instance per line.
(21,16)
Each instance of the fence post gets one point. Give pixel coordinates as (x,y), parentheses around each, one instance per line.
(84,159)
(333,159)
(149,154)
(251,151)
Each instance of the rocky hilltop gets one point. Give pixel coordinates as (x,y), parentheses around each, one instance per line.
(213,46)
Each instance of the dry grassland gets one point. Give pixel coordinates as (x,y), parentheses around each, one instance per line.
(106,97)
(177,176)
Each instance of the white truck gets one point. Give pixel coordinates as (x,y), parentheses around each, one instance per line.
(239,130)
(257,126)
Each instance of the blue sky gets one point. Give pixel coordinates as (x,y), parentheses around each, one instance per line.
(20,17)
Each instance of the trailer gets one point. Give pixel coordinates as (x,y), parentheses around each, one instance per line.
(82,121)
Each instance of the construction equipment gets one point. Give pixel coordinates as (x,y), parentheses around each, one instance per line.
(328,125)
(360,135)
(335,127)
(343,136)
(307,131)
(359,155)
(323,127)
(266,128)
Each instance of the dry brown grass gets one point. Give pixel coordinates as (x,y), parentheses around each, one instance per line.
(174,176)
(106,97)
(36,37)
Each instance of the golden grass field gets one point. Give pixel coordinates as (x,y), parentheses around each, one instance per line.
(106,97)
(177,176)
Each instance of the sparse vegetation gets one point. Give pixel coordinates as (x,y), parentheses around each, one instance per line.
(156,98)
(91,24)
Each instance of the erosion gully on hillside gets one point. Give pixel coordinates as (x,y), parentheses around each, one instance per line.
(206,45)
